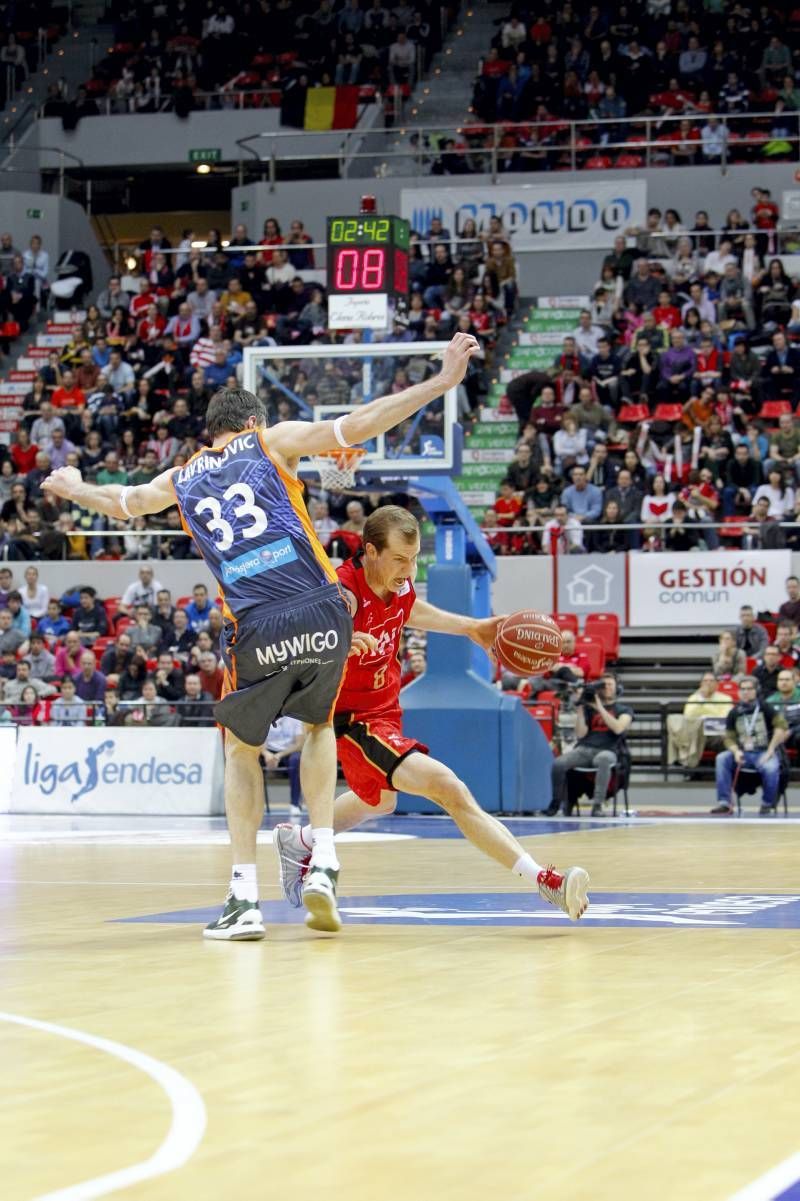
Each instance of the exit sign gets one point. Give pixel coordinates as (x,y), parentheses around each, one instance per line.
(34,214)
(214,155)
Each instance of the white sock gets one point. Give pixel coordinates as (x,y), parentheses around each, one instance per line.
(244,882)
(307,837)
(527,867)
(324,853)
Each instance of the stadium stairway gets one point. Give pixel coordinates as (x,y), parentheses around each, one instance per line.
(442,97)
(530,345)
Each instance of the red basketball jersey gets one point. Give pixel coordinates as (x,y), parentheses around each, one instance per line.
(372,682)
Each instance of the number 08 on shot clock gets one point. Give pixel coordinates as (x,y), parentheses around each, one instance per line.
(367,269)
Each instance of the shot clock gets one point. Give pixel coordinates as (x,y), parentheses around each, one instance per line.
(367,268)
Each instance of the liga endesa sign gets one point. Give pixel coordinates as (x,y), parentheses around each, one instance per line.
(705,589)
(118,770)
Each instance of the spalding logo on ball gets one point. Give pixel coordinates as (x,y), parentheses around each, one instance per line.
(528,642)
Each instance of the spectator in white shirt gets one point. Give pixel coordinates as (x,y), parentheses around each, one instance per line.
(69,709)
(779,495)
(714,137)
(402,57)
(717,260)
(37,263)
(514,34)
(323,522)
(35,596)
(280,270)
(202,300)
(142,591)
(120,374)
(586,335)
(562,535)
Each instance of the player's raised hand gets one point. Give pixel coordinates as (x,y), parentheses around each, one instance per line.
(457,356)
(362,644)
(63,482)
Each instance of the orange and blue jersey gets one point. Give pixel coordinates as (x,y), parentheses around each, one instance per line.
(250,523)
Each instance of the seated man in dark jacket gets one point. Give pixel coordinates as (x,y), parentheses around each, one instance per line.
(781,371)
(753,733)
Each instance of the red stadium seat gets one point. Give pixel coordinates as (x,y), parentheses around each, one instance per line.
(111,606)
(729,687)
(598,162)
(124,623)
(594,652)
(667,412)
(545,714)
(772,409)
(771,627)
(633,414)
(604,628)
(566,621)
(750,664)
(629,160)
(182,602)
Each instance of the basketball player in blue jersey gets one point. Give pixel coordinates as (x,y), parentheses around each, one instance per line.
(288,629)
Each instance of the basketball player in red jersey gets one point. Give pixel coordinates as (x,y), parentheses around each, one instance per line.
(376,757)
(287,627)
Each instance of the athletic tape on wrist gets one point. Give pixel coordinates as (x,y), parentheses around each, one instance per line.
(337,432)
(123,502)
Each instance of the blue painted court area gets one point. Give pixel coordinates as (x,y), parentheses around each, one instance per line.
(431,826)
(668,910)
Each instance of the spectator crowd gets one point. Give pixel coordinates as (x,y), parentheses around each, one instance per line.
(127,396)
(165,56)
(607,65)
(668,419)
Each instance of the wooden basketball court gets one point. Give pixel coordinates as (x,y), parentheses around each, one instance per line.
(458,1040)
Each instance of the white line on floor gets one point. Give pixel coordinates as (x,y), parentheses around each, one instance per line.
(185,1132)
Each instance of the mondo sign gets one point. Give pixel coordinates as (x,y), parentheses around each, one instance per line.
(705,589)
(563,216)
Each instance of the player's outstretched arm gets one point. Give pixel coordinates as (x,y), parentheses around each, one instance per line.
(292,439)
(140,500)
(482,630)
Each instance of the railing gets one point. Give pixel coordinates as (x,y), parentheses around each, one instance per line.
(494,148)
(97,714)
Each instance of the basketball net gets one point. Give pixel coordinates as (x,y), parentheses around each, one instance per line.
(337,468)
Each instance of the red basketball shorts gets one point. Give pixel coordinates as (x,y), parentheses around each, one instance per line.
(370,749)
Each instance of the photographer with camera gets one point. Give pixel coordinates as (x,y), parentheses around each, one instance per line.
(601,723)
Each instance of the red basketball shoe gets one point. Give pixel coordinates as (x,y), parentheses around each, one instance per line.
(566,891)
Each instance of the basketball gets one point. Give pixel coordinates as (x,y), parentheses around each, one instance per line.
(528,642)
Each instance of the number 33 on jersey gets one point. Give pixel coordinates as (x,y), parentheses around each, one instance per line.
(249,520)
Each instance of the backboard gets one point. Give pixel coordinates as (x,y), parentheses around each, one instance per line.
(323,382)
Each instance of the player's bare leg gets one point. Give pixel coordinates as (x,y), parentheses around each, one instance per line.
(241,919)
(429,778)
(318,782)
(424,776)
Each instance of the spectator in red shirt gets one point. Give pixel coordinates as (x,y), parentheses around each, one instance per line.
(507,508)
(211,674)
(571,668)
(68,395)
(141,303)
(23,452)
(272,237)
(667,314)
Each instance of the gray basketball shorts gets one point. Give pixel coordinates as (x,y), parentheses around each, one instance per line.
(285,660)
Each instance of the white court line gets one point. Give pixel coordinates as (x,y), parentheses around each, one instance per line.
(772,1183)
(185,1132)
(154,838)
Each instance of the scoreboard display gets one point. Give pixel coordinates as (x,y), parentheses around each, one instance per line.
(367,258)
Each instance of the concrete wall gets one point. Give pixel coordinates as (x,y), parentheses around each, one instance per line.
(548,273)
(62,225)
(111,579)
(521,584)
(153,139)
